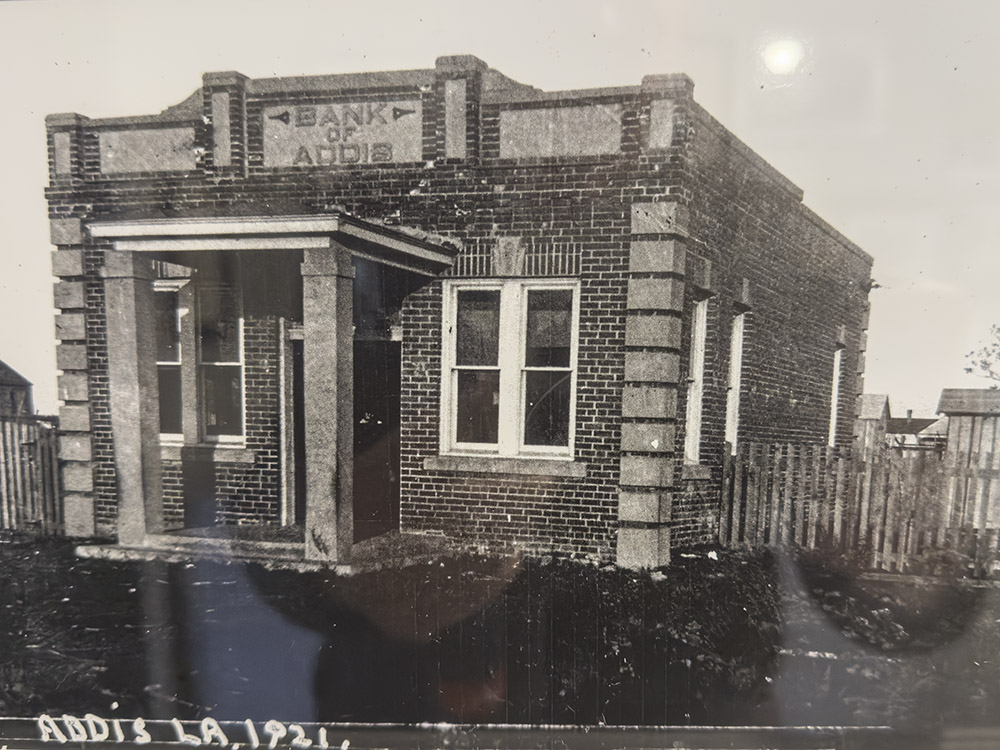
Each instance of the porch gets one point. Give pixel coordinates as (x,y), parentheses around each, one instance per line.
(254,368)
(271,547)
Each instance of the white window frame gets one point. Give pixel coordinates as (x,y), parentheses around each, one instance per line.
(838,355)
(174,286)
(189,346)
(736,342)
(696,382)
(203,435)
(511,364)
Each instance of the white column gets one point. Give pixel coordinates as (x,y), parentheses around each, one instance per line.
(328,344)
(135,408)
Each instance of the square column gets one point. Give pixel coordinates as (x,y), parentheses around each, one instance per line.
(135,407)
(328,349)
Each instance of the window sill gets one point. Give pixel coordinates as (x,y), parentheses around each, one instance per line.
(507,465)
(696,471)
(228,454)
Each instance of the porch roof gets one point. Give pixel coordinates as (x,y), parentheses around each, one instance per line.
(404,247)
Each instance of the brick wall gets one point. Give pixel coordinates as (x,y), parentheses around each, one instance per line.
(173,495)
(253,492)
(105,486)
(805,284)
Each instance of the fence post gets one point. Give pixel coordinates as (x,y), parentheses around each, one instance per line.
(37,506)
(877,511)
(6,506)
(895,534)
(57,504)
(776,467)
(785,528)
(753,497)
(725,501)
(840,494)
(801,504)
(17,474)
(815,495)
(760,539)
(864,507)
(738,525)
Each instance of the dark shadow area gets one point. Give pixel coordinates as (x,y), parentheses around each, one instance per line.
(719,638)
(376,437)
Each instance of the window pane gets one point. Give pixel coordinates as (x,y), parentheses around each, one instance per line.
(167,335)
(219,325)
(223,400)
(546,408)
(478,406)
(477,334)
(170,398)
(549,327)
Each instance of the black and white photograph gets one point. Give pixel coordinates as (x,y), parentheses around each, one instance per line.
(569,375)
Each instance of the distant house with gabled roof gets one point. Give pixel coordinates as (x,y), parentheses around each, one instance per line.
(872,421)
(15,393)
(917,433)
(875,427)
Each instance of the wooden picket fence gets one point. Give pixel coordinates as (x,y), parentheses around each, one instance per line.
(30,497)
(903,512)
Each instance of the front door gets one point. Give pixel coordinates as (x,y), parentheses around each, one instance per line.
(376,437)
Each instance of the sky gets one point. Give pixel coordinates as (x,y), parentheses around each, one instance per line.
(884,113)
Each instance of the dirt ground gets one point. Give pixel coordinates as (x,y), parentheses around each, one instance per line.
(718,638)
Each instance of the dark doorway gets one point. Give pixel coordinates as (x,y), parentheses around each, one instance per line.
(376,437)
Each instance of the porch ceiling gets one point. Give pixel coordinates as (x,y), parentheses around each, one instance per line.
(404,247)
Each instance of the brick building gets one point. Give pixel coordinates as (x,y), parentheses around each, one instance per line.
(436,301)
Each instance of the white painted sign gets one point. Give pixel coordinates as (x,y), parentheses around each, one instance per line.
(343,134)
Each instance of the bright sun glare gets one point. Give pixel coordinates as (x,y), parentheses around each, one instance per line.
(783,56)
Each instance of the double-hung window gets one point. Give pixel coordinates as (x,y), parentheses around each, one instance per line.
(220,363)
(168,359)
(696,382)
(735,380)
(509,356)
(838,355)
(200,365)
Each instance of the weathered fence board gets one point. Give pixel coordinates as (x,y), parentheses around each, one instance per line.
(898,509)
(29,476)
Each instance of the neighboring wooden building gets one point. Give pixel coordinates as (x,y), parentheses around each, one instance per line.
(973,441)
(15,393)
(871,423)
(973,420)
(438,302)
